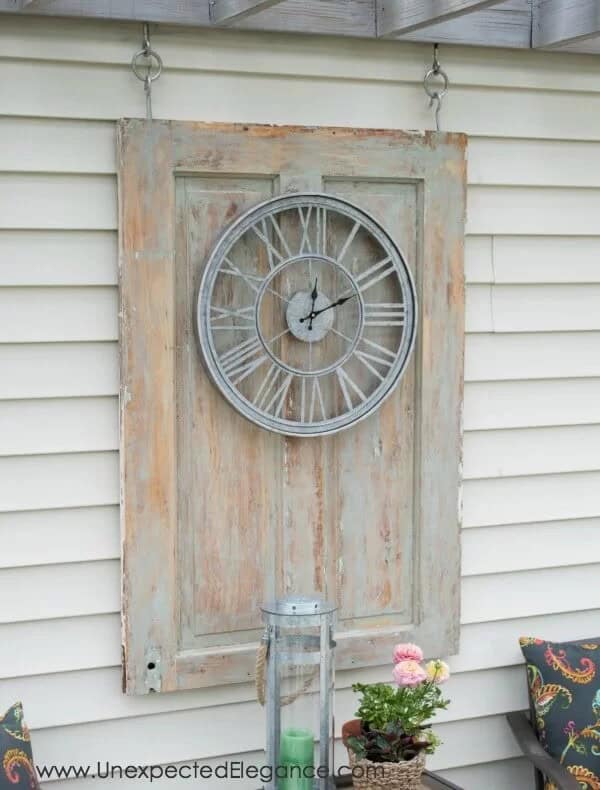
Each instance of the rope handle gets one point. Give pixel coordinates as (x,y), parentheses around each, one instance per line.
(260,677)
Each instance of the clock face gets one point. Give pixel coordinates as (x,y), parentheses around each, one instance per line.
(306,314)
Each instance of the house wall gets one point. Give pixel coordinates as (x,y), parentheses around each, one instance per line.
(531,538)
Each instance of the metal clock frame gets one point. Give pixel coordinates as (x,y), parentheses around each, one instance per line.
(228,238)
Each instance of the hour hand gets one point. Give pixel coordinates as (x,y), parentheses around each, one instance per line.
(314,293)
(313,296)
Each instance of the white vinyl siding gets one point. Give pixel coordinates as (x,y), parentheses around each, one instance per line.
(531,497)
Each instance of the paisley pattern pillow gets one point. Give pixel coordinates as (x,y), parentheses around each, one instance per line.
(17,771)
(564,686)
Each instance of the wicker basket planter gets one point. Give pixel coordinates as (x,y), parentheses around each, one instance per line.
(368,775)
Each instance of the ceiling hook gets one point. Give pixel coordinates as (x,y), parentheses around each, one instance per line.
(432,86)
(150,61)
(436,62)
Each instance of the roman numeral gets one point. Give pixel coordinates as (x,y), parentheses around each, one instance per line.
(279,398)
(242,360)
(384,356)
(302,398)
(240,318)
(384,314)
(364,358)
(321,222)
(275,257)
(348,242)
(266,387)
(272,392)
(375,273)
(253,281)
(280,236)
(316,399)
(305,242)
(345,381)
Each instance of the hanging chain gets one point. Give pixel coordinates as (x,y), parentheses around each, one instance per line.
(435,89)
(147,60)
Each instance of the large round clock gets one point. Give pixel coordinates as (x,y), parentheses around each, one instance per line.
(306,314)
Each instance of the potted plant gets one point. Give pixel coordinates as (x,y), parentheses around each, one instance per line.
(388,741)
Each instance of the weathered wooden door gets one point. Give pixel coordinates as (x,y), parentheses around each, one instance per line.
(218,514)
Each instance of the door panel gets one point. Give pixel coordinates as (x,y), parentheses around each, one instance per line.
(218,514)
(224,535)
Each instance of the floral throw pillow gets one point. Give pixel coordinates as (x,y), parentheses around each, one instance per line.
(564,686)
(17,771)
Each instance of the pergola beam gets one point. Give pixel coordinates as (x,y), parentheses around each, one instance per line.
(228,12)
(399,17)
(505,25)
(560,22)
(572,25)
(319,17)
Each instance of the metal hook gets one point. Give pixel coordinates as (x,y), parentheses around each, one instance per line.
(436,62)
(153,66)
(146,39)
(432,87)
(438,100)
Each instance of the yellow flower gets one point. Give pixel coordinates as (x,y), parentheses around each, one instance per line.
(437,671)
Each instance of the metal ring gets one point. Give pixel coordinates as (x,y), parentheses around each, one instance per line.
(148,54)
(430,88)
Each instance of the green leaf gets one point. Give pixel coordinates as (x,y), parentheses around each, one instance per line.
(397,711)
(357,746)
(381,742)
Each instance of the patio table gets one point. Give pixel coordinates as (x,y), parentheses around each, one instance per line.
(430,781)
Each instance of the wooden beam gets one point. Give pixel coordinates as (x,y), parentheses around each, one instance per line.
(398,17)
(507,24)
(321,17)
(560,22)
(228,12)
(504,25)
(184,12)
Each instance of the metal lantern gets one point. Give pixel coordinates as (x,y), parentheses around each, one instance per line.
(298,670)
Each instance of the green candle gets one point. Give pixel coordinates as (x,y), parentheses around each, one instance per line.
(296,753)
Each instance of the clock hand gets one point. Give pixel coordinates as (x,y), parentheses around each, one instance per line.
(339,302)
(314,313)
(314,293)
(313,296)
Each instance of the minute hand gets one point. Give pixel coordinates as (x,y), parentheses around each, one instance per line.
(315,313)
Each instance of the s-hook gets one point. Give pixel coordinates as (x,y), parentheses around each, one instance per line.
(435,89)
(148,59)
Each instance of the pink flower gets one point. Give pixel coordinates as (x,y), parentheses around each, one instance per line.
(407,652)
(437,671)
(408,673)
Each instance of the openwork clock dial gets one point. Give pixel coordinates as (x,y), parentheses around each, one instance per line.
(306,314)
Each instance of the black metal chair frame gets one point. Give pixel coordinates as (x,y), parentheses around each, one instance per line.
(545,765)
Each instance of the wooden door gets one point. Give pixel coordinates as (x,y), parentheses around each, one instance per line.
(219,515)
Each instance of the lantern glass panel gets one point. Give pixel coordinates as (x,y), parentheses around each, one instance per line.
(300,700)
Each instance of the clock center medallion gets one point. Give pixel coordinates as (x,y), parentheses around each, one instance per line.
(302,321)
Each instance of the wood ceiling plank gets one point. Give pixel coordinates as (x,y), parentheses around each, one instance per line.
(507,24)
(560,22)
(397,17)
(228,12)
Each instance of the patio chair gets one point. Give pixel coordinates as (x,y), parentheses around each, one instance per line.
(547,767)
